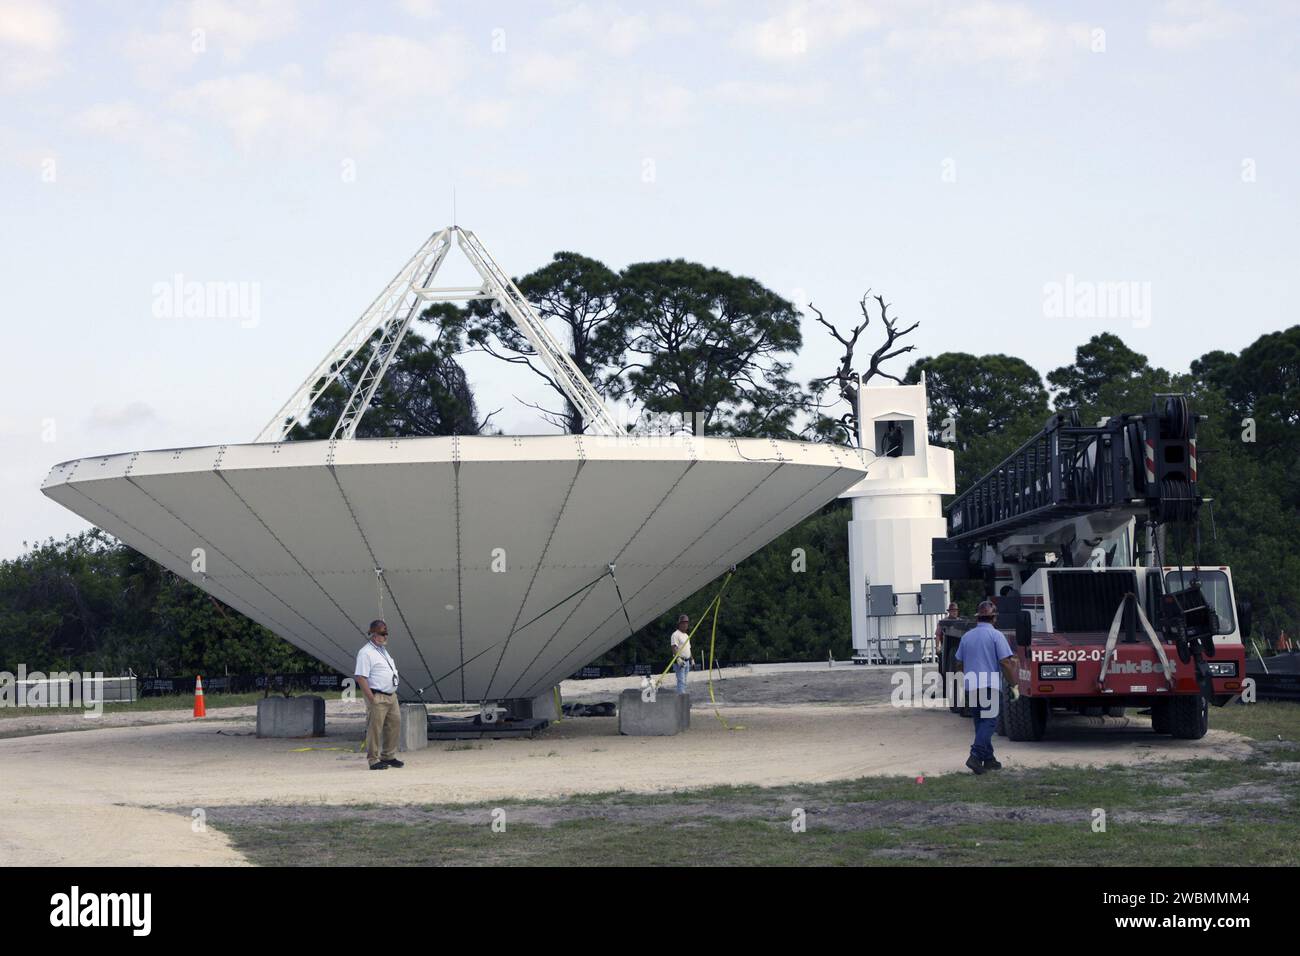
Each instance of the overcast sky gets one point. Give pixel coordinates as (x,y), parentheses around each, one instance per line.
(988,166)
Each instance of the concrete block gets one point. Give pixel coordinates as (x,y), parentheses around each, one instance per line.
(667,715)
(414,734)
(291,716)
(543,707)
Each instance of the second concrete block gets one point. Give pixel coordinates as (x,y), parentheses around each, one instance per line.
(668,714)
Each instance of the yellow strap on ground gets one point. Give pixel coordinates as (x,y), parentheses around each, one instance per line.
(303,750)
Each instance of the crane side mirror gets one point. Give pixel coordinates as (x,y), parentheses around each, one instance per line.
(1024,629)
(1243,617)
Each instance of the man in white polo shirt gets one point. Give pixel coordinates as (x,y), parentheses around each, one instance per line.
(376,675)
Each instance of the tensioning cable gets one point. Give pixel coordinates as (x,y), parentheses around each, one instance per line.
(379,592)
(563,600)
(621,603)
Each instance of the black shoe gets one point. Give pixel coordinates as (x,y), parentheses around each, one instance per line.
(397,763)
(992,764)
(976,766)
(379,766)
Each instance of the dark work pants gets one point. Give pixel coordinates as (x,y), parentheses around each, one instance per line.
(982,748)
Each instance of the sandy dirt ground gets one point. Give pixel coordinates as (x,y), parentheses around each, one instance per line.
(126,794)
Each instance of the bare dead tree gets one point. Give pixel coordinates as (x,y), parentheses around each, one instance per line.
(845,377)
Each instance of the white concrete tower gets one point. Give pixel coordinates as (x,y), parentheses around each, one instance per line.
(897,510)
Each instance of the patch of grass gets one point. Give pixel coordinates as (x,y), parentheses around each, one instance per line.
(1144,844)
(1254,806)
(719,842)
(1265,720)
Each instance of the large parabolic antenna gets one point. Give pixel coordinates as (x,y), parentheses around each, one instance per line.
(490,557)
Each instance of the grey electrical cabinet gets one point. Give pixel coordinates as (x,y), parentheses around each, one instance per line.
(933,599)
(882,600)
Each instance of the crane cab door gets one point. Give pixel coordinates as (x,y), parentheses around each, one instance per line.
(1216,586)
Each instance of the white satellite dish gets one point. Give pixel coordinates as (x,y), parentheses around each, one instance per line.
(502,564)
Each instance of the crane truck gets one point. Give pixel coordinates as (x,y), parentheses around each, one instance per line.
(1067,534)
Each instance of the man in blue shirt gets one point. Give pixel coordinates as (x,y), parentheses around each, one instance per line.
(984,657)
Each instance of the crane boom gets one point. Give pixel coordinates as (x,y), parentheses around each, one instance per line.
(1144,462)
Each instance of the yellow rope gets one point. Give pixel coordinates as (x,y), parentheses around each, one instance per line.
(712,640)
(673,659)
(714,608)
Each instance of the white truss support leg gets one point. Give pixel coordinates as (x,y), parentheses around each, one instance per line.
(394,330)
(391,315)
(558,362)
(299,406)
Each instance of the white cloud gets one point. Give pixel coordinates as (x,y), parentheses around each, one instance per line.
(1189,23)
(123,121)
(985,32)
(420,9)
(31,36)
(610,29)
(502,177)
(31,24)
(19,148)
(116,119)
(233,26)
(157,58)
(770,94)
(806,26)
(390,68)
(546,73)
(667,104)
(606,28)
(188,33)
(646,103)
(944,33)
(489,113)
(261,107)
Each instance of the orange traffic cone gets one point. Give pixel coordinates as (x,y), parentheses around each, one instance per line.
(200,709)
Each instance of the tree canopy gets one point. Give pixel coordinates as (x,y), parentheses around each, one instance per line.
(982,407)
(425,391)
(581,296)
(1103,358)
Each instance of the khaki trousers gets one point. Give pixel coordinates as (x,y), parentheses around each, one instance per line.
(383,727)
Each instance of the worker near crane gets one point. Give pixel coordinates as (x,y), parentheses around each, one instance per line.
(953,613)
(680,643)
(984,658)
(376,675)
